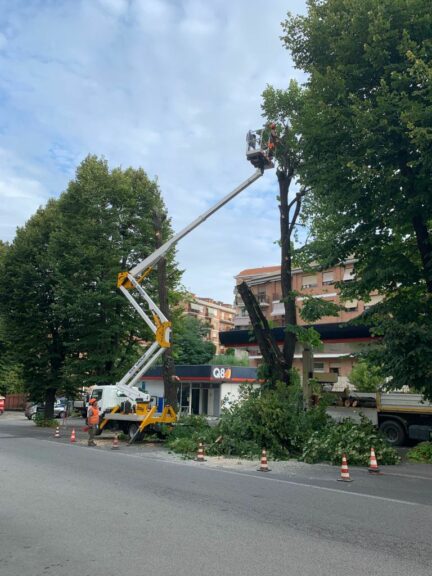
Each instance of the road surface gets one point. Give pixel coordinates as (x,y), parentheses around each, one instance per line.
(68,509)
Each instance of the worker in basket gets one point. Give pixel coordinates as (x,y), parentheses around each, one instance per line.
(272,141)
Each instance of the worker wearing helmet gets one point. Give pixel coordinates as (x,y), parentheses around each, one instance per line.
(272,141)
(92,420)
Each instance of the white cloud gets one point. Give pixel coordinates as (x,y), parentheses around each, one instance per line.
(169,86)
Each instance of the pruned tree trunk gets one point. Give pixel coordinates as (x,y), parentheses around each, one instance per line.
(286,229)
(269,349)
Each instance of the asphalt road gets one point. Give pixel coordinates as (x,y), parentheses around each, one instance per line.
(68,509)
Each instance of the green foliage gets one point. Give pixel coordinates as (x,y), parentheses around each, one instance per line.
(421,453)
(189,431)
(366,377)
(28,305)
(263,418)
(315,308)
(367,159)
(11,372)
(189,343)
(228,360)
(355,440)
(105,226)
(43,422)
(68,324)
(304,335)
(404,324)
(274,419)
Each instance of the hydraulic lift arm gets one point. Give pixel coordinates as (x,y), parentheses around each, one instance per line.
(258,155)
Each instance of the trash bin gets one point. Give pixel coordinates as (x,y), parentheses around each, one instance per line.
(2,404)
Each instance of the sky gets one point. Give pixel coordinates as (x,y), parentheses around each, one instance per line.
(171,86)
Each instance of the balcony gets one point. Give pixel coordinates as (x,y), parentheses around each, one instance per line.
(241,321)
(263,300)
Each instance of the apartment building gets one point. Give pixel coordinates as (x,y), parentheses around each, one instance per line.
(217,315)
(265,283)
(339,343)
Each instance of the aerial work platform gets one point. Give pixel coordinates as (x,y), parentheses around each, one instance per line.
(258,151)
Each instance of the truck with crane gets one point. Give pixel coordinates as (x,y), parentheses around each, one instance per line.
(400,416)
(123,406)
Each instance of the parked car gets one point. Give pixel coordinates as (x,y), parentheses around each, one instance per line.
(32,409)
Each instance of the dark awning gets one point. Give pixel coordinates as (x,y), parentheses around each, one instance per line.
(341,332)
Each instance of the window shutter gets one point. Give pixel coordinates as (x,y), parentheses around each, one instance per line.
(348,274)
(309,281)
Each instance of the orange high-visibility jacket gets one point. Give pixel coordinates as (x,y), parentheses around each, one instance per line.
(93,415)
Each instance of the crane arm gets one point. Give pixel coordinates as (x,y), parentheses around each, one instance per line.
(153,259)
(159,324)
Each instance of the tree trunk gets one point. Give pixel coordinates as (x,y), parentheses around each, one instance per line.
(284,179)
(269,349)
(50,397)
(170,384)
(424,245)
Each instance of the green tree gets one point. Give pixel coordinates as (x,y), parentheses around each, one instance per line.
(105,226)
(366,143)
(280,109)
(28,306)
(189,342)
(11,373)
(365,377)
(10,370)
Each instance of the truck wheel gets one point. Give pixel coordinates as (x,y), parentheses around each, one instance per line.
(133,429)
(394,432)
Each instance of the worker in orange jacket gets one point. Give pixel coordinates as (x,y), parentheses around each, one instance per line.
(92,420)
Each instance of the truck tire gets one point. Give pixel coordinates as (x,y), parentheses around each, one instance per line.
(133,429)
(394,432)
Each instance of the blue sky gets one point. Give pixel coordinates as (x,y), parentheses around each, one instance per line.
(171,86)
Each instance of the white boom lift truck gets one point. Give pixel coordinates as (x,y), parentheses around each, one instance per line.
(123,406)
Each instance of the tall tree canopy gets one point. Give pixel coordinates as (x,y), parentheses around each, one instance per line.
(105,226)
(367,155)
(28,306)
(70,325)
(189,342)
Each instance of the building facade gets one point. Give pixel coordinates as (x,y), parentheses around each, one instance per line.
(202,389)
(265,283)
(339,344)
(218,316)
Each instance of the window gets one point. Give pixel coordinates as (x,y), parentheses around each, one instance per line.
(278,309)
(334,370)
(328,278)
(348,275)
(318,366)
(196,307)
(262,297)
(243,313)
(350,305)
(309,281)
(212,311)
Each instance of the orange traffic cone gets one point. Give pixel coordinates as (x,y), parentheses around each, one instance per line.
(264,464)
(373,464)
(200,453)
(345,475)
(57,432)
(73,438)
(115,444)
